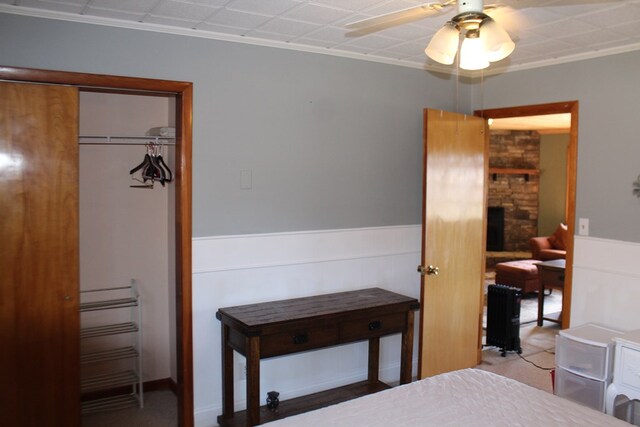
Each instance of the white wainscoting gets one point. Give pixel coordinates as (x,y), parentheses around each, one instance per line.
(606,283)
(234,270)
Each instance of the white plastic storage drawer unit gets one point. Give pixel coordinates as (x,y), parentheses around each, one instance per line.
(581,389)
(584,359)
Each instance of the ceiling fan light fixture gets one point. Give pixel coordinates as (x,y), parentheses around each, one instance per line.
(496,40)
(484,41)
(472,52)
(443,46)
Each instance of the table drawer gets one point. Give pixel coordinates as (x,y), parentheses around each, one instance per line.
(372,326)
(297,340)
(552,278)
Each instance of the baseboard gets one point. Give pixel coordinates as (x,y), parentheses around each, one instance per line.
(161,384)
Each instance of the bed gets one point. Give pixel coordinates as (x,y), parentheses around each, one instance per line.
(469,397)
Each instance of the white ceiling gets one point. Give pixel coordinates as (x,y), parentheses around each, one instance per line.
(545,31)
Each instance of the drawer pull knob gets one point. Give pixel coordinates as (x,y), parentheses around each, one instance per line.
(375,325)
(300,338)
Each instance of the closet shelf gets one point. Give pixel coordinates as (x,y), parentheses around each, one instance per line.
(101,331)
(108,304)
(113,354)
(125,140)
(109,403)
(108,381)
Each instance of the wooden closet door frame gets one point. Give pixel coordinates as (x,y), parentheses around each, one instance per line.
(183,92)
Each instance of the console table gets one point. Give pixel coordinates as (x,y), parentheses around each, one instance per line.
(264,330)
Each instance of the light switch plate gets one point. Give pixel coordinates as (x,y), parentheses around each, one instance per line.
(246,179)
(583,226)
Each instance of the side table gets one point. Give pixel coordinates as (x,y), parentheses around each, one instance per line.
(551,275)
(626,371)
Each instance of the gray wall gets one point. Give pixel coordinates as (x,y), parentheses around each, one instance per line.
(608,90)
(335,142)
(331,142)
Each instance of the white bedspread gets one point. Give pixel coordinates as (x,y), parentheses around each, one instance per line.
(469,397)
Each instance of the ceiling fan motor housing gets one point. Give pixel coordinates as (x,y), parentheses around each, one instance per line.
(470,6)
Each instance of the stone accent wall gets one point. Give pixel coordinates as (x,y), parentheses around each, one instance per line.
(519,197)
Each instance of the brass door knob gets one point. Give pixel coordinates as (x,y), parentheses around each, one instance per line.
(430,270)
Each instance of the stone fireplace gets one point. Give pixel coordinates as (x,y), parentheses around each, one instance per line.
(514,163)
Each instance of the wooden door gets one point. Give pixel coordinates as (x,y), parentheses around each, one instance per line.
(39,255)
(454,197)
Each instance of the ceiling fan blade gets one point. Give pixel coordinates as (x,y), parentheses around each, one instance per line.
(508,13)
(525,4)
(508,18)
(401,16)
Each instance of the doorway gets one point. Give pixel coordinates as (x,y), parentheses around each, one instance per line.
(183,92)
(571,108)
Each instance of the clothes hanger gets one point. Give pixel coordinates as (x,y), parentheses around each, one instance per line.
(166,168)
(153,167)
(168,175)
(153,170)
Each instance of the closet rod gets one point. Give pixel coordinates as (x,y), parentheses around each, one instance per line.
(132,140)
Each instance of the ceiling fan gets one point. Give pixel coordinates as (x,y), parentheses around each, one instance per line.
(480,38)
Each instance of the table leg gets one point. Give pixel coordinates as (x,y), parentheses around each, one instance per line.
(253,380)
(374,359)
(540,303)
(406,355)
(227,374)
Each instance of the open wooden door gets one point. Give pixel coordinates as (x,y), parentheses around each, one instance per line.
(453,239)
(39,273)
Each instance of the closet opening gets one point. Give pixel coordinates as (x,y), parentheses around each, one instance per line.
(127,252)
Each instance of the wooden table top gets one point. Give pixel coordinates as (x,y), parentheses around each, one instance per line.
(273,312)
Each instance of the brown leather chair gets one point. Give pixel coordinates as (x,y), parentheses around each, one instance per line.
(543,250)
(552,247)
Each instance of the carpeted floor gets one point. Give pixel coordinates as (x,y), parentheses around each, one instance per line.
(160,410)
(538,347)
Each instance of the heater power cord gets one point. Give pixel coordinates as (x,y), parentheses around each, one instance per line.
(525,359)
(534,364)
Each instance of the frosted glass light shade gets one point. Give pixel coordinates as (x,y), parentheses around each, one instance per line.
(444,44)
(472,54)
(497,43)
